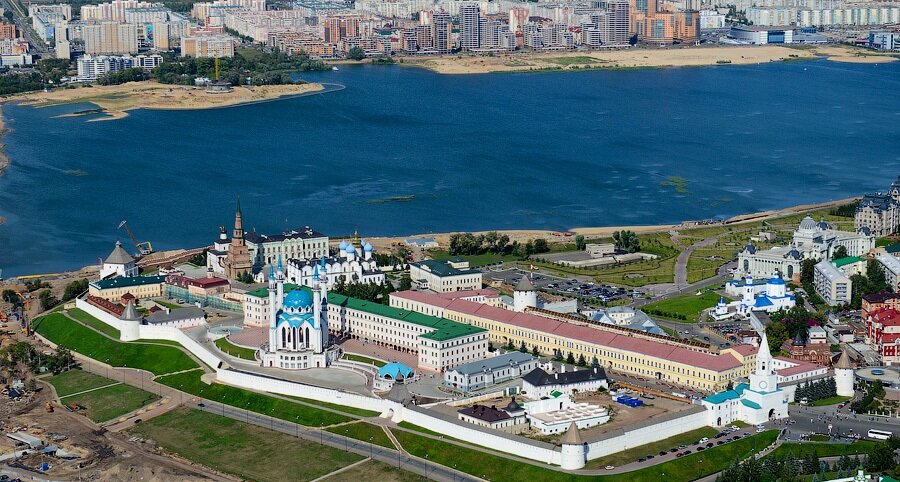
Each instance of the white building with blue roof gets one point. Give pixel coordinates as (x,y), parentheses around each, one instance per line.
(756,402)
(770,297)
(298,325)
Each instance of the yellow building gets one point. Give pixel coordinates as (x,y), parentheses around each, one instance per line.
(139,286)
(667,360)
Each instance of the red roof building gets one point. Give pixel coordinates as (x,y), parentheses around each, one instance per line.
(883,334)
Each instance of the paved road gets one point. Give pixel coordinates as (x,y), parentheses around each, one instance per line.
(681,276)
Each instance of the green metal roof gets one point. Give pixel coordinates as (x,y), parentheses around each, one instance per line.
(750,404)
(441,268)
(125,282)
(264,292)
(845,261)
(722,397)
(443,329)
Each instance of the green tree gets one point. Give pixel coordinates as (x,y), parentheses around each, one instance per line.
(534,351)
(877,279)
(627,241)
(595,363)
(570,358)
(882,458)
(74,289)
(405,282)
(523,348)
(777,334)
(557,355)
(581,360)
(839,252)
(47,300)
(10,296)
(807,272)
(540,246)
(579,242)
(356,53)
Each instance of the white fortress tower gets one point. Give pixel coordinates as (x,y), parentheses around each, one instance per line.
(843,376)
(573,450)
(131,323)
(525,295)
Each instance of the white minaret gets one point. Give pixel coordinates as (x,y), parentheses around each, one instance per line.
(525,295)
(843,376)
(279,285)
(763,379)
(273,310)
(130,323)
(572,454)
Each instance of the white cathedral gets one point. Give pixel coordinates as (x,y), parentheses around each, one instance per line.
(757,402)
(298,325)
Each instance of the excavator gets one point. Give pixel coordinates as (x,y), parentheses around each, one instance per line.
(144,248)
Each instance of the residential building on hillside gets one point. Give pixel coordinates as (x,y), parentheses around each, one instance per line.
(880,211)
(831,284)
(891,266)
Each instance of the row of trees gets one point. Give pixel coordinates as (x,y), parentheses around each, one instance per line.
(787,323)
(817,389)
(468,244)
(45,296)
(262,67)
(365,291)
(17,359)
(791,469)
(874,281)
(134,74)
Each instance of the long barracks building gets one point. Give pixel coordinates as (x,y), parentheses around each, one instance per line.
(665,360)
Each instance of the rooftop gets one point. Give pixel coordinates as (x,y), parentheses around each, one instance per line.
(841,262)
(185,313)
(485,413)
(493,363)
(444,329)
(264,292)
(125,282)
(300,233)
(441,268)
(539,378)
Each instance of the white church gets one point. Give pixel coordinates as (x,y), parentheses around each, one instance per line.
(769,297)
(756,402)
(298,325)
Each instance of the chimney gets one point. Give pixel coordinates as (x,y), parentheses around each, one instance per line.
(556,376)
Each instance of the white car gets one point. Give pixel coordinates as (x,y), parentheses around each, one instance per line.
(610,467)
(760,430)
(733,428)
(704,440)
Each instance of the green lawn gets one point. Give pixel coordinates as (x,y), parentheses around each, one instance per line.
(246,451)
(376,472)
(94,323)
(111,402)
(364,359)
(476,260)
(166,304)
(365,432)
(359,412)
(491,467)
(255,402)
(74,381)
(576,60)
(631,455)
(689,306)
(156,359)
(825,449)
(234,350)
(828,401)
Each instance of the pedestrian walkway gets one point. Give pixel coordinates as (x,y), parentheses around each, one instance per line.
(342,469)
(90,390)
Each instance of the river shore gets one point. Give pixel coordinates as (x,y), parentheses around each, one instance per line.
(116,100)
(640,58)
(523,235)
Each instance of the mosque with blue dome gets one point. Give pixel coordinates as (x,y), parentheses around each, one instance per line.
(298,323)
(354,262)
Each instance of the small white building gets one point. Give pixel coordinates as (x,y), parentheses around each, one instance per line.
(490,371)
(511,420)
(186,317)
(442,277)
(538,383)
(554,414)
(118,263)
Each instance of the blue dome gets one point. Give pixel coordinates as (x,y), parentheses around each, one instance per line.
(351,249)
(298,299)
(343,245)
(395,370)
(368,247)
(776,281)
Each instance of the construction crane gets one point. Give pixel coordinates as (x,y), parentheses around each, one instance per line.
(144,248)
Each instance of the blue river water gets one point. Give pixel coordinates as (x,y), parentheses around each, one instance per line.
(493,151)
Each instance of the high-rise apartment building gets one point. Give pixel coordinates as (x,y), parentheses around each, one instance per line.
(469,26)
(110,38)
(440,31)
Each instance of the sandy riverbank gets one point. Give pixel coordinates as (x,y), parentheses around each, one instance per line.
(116,100)
(615,59)
(855,55)
(642,58)
(522,235)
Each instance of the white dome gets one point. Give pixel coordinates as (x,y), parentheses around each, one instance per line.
(808,224)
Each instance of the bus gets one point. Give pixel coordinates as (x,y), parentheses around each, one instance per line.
(880,434)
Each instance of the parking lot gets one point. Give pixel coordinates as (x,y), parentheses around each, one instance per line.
(564,286)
